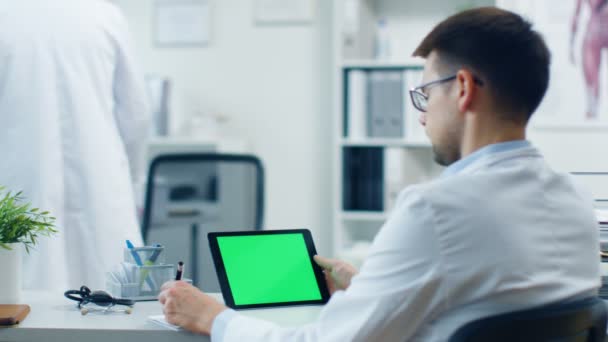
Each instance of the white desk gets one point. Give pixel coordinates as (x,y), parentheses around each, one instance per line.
(54,318)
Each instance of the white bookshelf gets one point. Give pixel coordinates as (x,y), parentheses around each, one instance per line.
(370,216)
(370,142)
(375,64)
(354,33)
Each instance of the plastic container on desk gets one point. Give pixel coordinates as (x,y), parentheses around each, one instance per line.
(141,275)
(149,255)
(146,285)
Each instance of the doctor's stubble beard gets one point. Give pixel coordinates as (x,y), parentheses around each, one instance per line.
(446,155)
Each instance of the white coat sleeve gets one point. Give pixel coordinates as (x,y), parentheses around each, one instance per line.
(398,290)
(131,109)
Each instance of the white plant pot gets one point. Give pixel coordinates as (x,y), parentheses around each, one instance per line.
(10,274)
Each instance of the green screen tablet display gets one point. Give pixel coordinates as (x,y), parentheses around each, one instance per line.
(263,269)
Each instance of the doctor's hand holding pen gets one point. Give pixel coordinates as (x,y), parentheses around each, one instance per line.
(188,307)
(338,273)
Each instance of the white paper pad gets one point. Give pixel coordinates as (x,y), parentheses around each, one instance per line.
(160,320)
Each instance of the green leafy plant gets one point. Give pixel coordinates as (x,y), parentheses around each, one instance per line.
(20,223)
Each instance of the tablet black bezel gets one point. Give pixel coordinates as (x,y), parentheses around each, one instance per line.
(223,278)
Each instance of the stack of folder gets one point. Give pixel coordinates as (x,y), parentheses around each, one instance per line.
(603,293)
(377,104)
(602,218)
(363,175)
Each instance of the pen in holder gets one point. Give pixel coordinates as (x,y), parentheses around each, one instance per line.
(144,257)
(141,275)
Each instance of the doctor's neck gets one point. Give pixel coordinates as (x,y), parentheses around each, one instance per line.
(482,130)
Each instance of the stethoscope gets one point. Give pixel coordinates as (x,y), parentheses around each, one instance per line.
(85,296)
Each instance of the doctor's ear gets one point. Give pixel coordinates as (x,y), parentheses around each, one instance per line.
(467,89)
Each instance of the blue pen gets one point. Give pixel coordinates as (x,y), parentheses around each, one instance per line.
(152,259)
(139,263)
(134,254)
(150,262)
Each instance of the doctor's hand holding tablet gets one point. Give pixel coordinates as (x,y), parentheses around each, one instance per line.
(257,269)
(338,273)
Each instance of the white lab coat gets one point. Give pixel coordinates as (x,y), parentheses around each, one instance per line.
(504,233)
(73,120)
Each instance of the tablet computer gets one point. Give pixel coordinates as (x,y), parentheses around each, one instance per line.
(267,268)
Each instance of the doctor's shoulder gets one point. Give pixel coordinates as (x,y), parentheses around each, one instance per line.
(445,188)
(415,194)
(441,183)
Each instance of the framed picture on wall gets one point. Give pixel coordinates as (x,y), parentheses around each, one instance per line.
(284,12)
(576,32)
(182,23)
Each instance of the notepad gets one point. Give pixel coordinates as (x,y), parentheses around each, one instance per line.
(160,320)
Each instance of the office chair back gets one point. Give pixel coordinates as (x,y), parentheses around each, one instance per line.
(189,195)
(583,320)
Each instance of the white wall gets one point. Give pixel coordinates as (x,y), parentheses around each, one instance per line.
(575,149)
(274,83)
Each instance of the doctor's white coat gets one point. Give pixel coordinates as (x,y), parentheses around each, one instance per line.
(72,116)
(503,233)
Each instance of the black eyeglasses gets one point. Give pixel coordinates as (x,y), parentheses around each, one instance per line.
(420,99)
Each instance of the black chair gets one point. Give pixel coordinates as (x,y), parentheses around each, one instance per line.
(583,320)
(189,195)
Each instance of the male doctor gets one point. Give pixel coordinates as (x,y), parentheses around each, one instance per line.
(498,231)
(73,118)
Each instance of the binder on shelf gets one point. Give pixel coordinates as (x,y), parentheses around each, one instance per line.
(385,104)
(356,104)
(394,105)
(373,192)
(348,175)
(374,91)
(363,173)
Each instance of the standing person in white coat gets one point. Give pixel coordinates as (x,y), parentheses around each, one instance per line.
(498,231)
(74,119)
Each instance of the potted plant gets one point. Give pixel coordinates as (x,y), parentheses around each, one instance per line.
(20,226)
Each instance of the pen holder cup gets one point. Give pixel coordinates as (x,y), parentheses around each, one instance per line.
(144,283)
(147,256)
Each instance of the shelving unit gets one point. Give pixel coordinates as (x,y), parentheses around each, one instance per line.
(383,142)
(370,167)
(372,216)
(375,64)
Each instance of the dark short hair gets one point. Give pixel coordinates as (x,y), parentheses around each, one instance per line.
(501,48)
